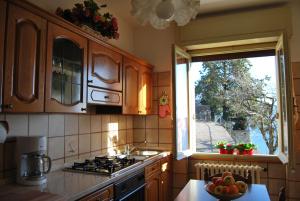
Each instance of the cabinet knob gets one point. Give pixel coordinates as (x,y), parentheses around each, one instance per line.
(90,81)
(106,97)
(83,109)
(8,106)
(139,112)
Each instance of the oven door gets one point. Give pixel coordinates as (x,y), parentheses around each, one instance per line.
(131,188)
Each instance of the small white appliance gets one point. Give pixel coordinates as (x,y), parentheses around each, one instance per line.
(32,162)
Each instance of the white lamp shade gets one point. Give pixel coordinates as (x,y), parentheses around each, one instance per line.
(165,9)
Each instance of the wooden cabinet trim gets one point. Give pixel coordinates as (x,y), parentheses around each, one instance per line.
(75,29)
(25,61)
(52,105)
(112,67)
(152,169)
(3,6)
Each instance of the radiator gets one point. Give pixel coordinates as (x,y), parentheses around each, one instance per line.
(216,168)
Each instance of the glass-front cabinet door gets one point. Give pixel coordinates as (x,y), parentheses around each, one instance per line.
(66,71)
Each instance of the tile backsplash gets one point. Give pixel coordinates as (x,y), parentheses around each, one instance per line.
(70,136)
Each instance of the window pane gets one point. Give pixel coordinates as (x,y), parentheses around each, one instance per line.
(236,102)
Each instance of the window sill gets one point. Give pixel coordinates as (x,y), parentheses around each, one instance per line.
(236,158)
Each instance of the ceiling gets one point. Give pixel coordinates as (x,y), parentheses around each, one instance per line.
(205,7)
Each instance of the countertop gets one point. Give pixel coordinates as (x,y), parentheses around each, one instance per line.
(62,185)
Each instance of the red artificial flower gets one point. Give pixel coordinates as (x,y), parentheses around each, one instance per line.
(116,35)
(97,18)
(114,23)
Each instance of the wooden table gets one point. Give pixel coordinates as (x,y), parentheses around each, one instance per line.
(194,191)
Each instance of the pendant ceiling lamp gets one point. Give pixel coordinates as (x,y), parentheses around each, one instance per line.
(159,13)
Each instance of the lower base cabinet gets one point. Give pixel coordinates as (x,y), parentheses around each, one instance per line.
(104,194)
(158,180)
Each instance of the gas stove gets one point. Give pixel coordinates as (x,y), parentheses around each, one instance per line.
(104,165)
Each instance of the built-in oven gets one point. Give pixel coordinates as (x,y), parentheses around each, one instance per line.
(131,188)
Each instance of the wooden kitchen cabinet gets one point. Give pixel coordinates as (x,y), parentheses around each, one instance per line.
(25,61)
(105,194)
(137,87)
(158,180)
(3,5)
(66,80)
(105,67)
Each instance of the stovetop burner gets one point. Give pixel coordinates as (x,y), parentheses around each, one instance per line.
(102,165)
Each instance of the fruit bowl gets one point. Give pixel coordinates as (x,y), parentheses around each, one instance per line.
(223,197)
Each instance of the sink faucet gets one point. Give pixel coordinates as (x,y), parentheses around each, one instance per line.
(128,150)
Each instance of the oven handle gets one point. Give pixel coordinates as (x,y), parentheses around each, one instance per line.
(129,194)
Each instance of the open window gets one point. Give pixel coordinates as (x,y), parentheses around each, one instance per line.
(186,112)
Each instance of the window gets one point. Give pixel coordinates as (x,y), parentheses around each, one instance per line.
(232,99)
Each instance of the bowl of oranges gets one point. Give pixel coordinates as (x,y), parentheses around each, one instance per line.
(226,188)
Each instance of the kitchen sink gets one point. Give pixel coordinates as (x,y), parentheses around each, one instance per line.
(144,153)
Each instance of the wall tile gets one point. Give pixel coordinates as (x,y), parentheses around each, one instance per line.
(161,90)
(57,164)
(275,185)
(84,156)
(71,124)
(122,137)
(56,125)
(296,69)
(152,135)
(165,136)
(56,148)
(105,122)
(95,153)
(167,147)
(139,135)
(95,141)
(71,159)
(154,93)
(84,124)
(165,122)
(129,122)
(164,78)
(38,125)
(129,136)
(71,145)
(152,121)
(114,119)
(122,122)
(84,143)
(154,108)
(297,86)
(276,171)
(139,122)
(104,140)
(95,123)
(18,124)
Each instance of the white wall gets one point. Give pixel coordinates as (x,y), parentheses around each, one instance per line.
(125,41)
(295,40)
(155,46)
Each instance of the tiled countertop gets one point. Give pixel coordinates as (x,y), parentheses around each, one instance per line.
(70,186)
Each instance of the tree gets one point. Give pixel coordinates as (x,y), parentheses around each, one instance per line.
(229,89)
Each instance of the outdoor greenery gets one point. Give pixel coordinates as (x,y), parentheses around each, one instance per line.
(230,91)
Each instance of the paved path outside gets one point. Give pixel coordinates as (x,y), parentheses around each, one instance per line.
(208,134)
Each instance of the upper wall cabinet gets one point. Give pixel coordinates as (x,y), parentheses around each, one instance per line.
(105,67)
(2,31)
(25,61)
(66,71)
(145,90)
(137,88)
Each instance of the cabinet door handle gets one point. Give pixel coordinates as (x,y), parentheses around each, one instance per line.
(106,97)
(90,81)
(83,109)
